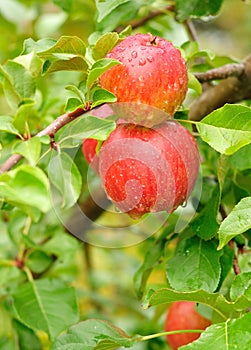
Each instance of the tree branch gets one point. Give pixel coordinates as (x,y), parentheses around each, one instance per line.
(229,70)
(49,130)
(152,14)
(236,266)
(191,31)
(230,90)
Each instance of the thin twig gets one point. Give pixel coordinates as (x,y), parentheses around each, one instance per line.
(229,70)
(191,31)
(49,130)
(236,266)
(230,90)
(140,22)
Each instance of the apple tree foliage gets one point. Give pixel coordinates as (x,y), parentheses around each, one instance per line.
(93,291)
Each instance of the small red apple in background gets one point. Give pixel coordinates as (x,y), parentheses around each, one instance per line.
(152,72)
(183,315)
(148,170)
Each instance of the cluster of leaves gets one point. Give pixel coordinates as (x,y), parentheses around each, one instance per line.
(38,259)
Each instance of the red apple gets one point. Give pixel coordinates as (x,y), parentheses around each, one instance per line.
(152,72)
(182,315)
(148,170)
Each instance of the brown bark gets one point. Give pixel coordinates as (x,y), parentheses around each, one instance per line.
(230,90)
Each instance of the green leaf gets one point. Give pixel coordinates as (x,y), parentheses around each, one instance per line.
(230,335)
(241,159)
(237,222)
(72,104)
(71,45)
(190,48)
(198,266)
(79,91)
(60,245)
(216,301)
(38,304)
(93,334)
(9,276)
(41,45)
(151,259)
(194,84)
(197,8)
(69,63)
(26,115)
(98,68)
(11,95)
(222,170)
(102,96)
(7,344)
(241,285)
(31,62)
(104,45)
(26,187)
(65,5)
(65,176)
(38,261)
(105,8)
(227,129)
(84,127)
(205,225)
(7,126)
(26,337)
(16,226)
(21,79)
(29,149)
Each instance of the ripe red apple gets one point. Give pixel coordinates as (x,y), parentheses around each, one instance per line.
(152,72)
(148,170)
(182,315)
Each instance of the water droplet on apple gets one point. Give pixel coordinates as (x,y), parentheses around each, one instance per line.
(149,59)
(142,62)
(184,204)
(117,209)
(181,81)
(121,48)
(134,54)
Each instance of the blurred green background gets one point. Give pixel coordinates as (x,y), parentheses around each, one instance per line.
(104,277)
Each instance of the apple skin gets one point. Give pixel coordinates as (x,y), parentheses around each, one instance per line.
(152,72)
(148,170)
(183,315)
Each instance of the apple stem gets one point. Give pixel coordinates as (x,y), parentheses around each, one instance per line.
(153,40)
